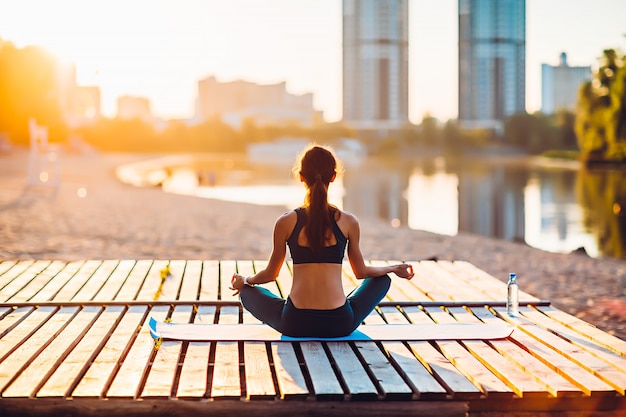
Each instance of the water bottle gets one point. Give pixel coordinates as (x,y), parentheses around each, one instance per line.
(512,297)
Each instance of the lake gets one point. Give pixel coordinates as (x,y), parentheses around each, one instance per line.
(554,206)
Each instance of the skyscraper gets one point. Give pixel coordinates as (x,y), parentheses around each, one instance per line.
(560,85)
(375,64)
(492,61)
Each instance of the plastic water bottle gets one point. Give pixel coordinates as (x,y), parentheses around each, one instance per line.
(512,296)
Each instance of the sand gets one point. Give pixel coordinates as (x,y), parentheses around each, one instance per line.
(92,215)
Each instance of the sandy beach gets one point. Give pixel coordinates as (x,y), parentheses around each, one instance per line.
(92,215)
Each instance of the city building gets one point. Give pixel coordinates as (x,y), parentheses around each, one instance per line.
(560,85)
(80,105)
(375,64)
(131,107)
(492,61)
(239,100)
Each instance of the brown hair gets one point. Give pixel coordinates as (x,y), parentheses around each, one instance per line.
(317,166)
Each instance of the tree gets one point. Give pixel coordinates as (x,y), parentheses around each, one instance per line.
(601,112)
(28,88)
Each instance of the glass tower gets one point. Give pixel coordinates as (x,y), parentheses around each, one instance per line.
(375,63)
(492,61)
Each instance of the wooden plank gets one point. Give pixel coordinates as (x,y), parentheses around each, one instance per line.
(66,373)
(354,375)
(422,381)
(150,287)
(27,322)
(226,381)
(127,381)
(587,330)
(454,373)
(609,357)
(193,379)
(96,379)
(160,380)
(227,269)
(171,286)
(425,284)
(34,374)
(473,367)
(18,278)
(291,382)
(27,352)
(96,281)
(132,285)
(555,384)
(48,291)
(209,283)
(39,281)
(115,281)
(259,379)
(576,359)
(78,280)
(408,291)
(11,319)
(391,383)
(12,272)
(272,286)
(191,281)
(323,378)
(5,266)
(456,286)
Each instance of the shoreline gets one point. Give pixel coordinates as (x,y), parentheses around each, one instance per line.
(92,215)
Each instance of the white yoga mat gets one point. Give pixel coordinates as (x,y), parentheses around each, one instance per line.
(377,332)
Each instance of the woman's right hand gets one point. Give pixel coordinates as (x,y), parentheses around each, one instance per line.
(403,271)
(237,283)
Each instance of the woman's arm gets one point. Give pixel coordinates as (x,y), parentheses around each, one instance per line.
(360,269)
(276,259)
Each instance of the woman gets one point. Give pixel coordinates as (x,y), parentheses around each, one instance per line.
(317,235)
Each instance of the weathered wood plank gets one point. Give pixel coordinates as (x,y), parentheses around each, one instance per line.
(31,348)
(391,383)
(78,280)
(445,281)
(259,379)
(20,324)
(136,278)
(209,283)
(34,374)
(17,278)
(127,381)
(171,286)
(193,379)
(16,269)
(66,373)
(160,380)
(589,383)
(5,266)
(53,286)
(353,373)
(408,291)
(190,286)
(323,378)
(11,319)
(39,281)
(149,290)
(227,269)
(554,383)
(95,381)
(226,381)
(115,281)
(291,382)
(96,281)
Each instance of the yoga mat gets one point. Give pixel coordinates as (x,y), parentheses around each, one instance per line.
(376,332)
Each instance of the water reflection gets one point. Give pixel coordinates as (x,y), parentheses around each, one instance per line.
(558,209)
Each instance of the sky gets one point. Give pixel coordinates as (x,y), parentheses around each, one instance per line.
(159,49)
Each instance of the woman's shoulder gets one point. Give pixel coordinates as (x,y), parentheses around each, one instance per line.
(346,218)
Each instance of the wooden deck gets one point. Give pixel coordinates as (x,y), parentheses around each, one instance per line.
(74,341)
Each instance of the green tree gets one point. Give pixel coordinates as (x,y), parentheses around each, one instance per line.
(28,89)
(601,113)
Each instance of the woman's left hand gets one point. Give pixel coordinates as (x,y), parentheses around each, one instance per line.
(236,283)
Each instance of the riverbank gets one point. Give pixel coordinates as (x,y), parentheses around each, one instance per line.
(92,215)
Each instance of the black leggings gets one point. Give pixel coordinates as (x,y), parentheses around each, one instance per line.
(291,321)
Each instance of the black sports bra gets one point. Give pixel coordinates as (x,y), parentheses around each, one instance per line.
(304,255)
